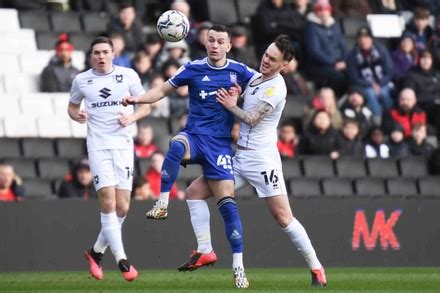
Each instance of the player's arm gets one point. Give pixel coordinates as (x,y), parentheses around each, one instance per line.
(151,96)
(139,113)
(251,117)
(76,114)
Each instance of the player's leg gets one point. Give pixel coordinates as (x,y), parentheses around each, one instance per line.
(179,149)
(280,208)
(196,195)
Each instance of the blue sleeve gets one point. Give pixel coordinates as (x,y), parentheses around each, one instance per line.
(246,75)
(313,47)
(182,76)
(353,71)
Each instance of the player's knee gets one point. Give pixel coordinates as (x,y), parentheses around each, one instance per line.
(283,218)
(176,150)
(122,210)
(107,205)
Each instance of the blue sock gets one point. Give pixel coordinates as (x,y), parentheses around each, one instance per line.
(171,165)
(228,209)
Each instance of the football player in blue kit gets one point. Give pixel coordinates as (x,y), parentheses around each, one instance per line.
(205,140)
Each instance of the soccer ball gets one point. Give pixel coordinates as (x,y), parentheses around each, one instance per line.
(172,26)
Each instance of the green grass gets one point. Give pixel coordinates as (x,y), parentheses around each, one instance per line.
(220,280)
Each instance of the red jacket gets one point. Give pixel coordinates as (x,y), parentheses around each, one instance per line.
(286,149)
(407,120)
(153,178)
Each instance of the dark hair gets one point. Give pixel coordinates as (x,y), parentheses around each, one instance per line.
(220,28)
(285,46)
(287,123)
(350,121)
(421,12)
(125,5)
(100,40)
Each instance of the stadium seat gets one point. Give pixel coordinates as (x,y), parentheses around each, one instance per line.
(39,107)
(38,189)
(38,148)
(10,106)
(338,187)
(78,130)
(46,40)
(352,24)
(304,187)
(318,166)
(81,41)
(71,148)
(9,148)
(20,126)
(2,129)
(292,168)
(402,186)
(37,20)
(143,165)
(10,63)
(95,22)
(9,20)
(223,12)
(160,125)
(190,172)
(429,186)
(67,22)
(413,166)
(79,59)
(60,102)
(54,126)
(369,187)
(162,141)
(19,41)
(24,168)
(52,168)
(247,191)
(35,62)
(294,107)
(22,83)
(384,168)
(246,8)
(350,167)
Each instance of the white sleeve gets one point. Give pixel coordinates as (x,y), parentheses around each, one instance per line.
(75,93)
(274,94)
(135,86)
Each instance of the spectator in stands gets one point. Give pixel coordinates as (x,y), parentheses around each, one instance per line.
(198,49)
(58,75)
(325,101)
(434,42)
(177,51)
(398,146)
(425,81)
(143,144)
(354,108)
(375,146)
(179,99)
(370,67)
(287,140)
(272,18)
(296,84)
(128,26)
(141,189)
(10,184)
(350,8)
(419,28)
(406,113)
(241,51)
(143,65)
(303,7)
(152,175)
(320,138)
(351,143)
(185,8)
(386,6)
(162,107)
(80,184)
(404,57)
(153,46)
(326,49)
(418,144)
(122,58)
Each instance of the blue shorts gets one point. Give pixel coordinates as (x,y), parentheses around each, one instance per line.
(214,154)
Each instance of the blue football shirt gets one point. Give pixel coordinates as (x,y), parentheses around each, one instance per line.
(206,115)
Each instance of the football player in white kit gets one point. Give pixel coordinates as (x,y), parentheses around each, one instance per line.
(110,146)
(257,159)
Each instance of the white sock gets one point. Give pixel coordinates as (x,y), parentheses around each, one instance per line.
(199,213)
(299,237)
(101,243)
(111,229)
(164,198)
(237,261)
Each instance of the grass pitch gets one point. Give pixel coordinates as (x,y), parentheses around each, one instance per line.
(220,280)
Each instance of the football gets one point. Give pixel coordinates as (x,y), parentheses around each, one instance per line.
(172,26)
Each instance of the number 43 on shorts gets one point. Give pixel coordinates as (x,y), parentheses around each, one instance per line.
(225,161)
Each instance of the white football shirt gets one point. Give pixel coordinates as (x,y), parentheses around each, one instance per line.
(103,94)
(264,134)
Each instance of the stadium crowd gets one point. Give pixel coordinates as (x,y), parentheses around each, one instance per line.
(359,96)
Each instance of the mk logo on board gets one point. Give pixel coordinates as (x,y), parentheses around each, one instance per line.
(105,93)
(381,228)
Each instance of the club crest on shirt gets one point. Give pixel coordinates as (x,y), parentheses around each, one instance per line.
(119,78)
(233,77)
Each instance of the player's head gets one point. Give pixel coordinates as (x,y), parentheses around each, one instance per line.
(218,44)
(277,56)
(102,54)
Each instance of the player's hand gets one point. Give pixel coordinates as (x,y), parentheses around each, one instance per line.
(124,120)
(235,90)
(227,99)
(81,117)
(130,101)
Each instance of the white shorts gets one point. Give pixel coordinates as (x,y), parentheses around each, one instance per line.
(262,169)
(112,168)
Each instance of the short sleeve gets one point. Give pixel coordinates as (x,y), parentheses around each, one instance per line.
(273,95)
(246,75)
(135,86)
(75,93)
(181,77)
